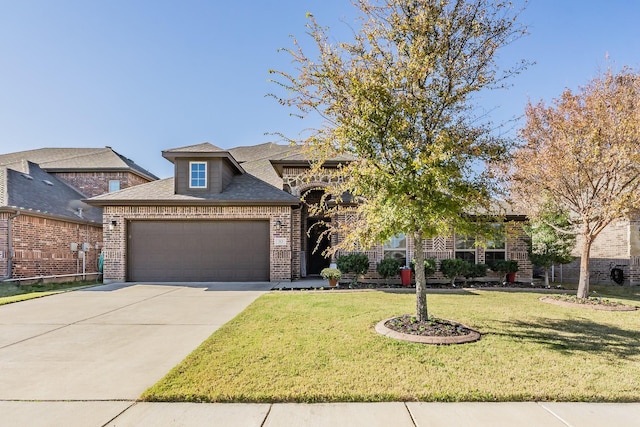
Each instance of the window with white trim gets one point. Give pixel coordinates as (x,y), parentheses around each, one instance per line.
(465,248)
(396,247)
(197,174)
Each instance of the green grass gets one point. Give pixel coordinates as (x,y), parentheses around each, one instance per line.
(321,347)
(12,292)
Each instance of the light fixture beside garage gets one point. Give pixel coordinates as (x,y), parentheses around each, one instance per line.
(112,224)
(278,223)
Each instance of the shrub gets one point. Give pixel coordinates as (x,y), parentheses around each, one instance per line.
(506,266)
(476,270)
(454,267)
(388,267)
(357,263)
(429,266)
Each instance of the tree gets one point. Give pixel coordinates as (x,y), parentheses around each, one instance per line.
(548,246)
(581,155)
(399,100)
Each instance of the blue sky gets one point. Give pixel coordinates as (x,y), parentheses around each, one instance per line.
(143,76)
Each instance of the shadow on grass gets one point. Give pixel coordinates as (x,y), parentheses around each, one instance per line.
(575,335)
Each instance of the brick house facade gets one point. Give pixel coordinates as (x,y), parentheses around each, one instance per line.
(239,186)
(45,228)
(300,184)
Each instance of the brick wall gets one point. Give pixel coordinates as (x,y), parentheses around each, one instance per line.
(41,246)
(616,246)
(610,249)
(115,255)
(95,183)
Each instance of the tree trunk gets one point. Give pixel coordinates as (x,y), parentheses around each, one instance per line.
(546,277)
(583,284)
(421,288)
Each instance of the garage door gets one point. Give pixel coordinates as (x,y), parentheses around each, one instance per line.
(198,251)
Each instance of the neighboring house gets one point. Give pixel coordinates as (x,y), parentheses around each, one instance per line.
(237,215)
(617,246)
(45,228)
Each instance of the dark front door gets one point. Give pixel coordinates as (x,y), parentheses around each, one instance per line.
(317,243)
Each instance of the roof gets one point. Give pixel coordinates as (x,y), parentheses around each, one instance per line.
(76,159)
(197,148)
(204,150)
(266,161)
(33,189)
(244,189)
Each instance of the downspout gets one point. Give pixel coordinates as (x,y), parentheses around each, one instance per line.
(9,248)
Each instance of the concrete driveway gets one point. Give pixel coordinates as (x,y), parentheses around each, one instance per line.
(107,344)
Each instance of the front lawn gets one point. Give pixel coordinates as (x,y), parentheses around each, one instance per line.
(321,347)
(12,292)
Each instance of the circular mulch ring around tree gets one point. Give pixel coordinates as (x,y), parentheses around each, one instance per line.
(604,307)
(472,336)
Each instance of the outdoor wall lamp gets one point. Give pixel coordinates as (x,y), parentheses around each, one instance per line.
(278,223)
(113,224)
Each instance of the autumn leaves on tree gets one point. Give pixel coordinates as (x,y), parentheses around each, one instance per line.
(581,157)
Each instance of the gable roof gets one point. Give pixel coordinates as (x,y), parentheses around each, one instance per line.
(204,150)
(33,189)
(76,159)
(205,147)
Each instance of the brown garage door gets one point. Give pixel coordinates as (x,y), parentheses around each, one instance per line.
(198,251)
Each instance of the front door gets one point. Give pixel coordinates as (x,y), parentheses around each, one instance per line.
(316,260)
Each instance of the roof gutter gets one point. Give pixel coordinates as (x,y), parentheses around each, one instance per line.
(9,247)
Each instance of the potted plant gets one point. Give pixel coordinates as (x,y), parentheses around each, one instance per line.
(332,275)
(508,267)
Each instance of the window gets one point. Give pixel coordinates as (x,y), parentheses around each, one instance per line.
(496,247)
(114,185)
(465,248)
(197,175)
(396,247)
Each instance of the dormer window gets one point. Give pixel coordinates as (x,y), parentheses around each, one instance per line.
(197,175)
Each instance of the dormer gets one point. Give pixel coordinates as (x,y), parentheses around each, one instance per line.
(202,168)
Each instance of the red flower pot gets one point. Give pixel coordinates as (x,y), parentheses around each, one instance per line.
(405,276)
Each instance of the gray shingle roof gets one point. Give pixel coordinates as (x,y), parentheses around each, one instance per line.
(38,191)
(244,189)
(78,159)
(205,147)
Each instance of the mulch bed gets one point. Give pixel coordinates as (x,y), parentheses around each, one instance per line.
(432,331)
(590,303)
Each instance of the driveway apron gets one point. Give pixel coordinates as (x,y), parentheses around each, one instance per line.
(110,342)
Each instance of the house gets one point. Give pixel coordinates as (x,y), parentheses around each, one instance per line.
(237,215)
(45,228)
(616,247)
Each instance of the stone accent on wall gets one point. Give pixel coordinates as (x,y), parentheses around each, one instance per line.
(115,265)
(95,183)
(298,180)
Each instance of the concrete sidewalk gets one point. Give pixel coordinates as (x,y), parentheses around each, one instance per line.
(411,414)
